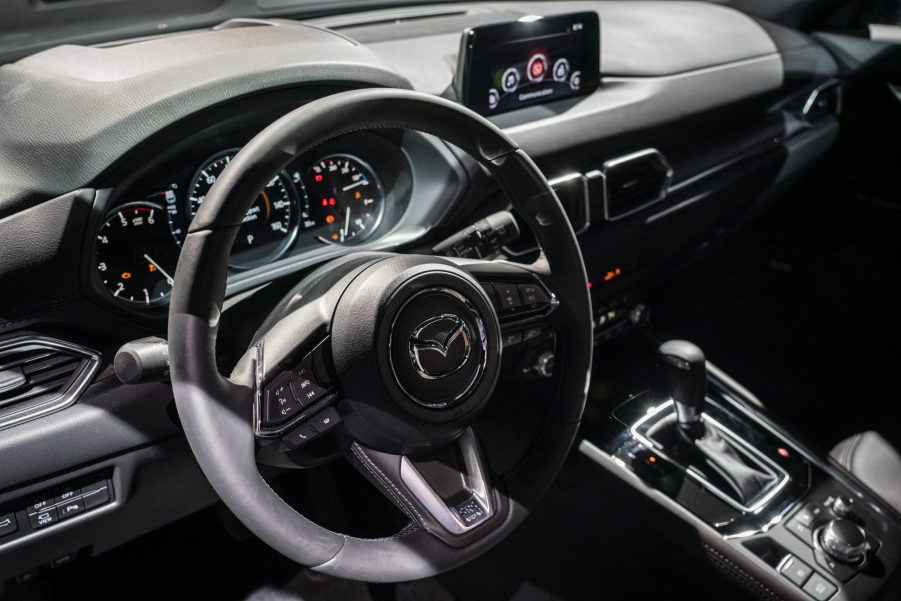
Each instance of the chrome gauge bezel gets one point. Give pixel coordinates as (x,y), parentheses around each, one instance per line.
(382,201)
(298,198)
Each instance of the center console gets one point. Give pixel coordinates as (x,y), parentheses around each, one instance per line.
(768,510)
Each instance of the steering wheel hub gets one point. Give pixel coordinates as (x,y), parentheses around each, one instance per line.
(422,333)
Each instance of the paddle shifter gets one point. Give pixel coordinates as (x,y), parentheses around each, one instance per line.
(685,372)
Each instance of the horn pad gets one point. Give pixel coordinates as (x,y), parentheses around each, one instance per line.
(415,342)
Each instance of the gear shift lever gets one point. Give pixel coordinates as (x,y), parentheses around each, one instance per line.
(686,379)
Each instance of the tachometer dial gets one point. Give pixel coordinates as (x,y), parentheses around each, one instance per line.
(135,254)
(271,223)
(346,197)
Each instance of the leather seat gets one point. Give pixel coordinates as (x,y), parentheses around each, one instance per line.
(874,462)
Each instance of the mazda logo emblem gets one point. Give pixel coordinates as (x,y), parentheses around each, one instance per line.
(440,346)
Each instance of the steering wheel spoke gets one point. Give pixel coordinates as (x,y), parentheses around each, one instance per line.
(448,492)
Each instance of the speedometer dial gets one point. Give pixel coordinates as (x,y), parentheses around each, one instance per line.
(346,197)
(135,254)
(271,223)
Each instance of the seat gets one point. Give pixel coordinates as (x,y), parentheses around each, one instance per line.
(874,462)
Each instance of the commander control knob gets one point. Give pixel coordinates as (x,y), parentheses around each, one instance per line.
(544,364)
(844,541)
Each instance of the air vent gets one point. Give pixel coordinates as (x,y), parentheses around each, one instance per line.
(41,375)
(634,181)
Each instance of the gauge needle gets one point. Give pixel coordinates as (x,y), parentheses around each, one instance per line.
(346,229)
(157,265)
(354,185)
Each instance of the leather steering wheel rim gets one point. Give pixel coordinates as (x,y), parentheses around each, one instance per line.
(215,411)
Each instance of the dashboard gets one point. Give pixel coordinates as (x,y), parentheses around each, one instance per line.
(107,151)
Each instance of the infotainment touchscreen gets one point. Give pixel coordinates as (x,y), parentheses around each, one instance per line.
(505,66)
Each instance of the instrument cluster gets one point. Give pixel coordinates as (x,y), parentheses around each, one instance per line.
(330,196)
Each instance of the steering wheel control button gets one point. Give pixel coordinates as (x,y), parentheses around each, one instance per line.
(43,518)
(281,404)
(300,436)
(307,390)
(533,296)
(795,570)
(8,524)
(819,588)
(509,339)
(508,296)
(325,420)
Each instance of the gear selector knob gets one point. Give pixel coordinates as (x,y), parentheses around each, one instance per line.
(685,374)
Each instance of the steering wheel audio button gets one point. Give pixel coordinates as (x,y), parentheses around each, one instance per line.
(281,404)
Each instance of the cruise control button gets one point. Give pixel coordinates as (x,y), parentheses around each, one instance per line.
(8,524)
(300,436)
(795,570)
(325,420)
(533,296)
(70,508)
(508,297)
(281,405)
(44,518)
(819,588)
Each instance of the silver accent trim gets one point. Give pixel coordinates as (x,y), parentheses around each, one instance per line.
(418,345)
(81,378)
(616,162)
(698,477)
(475,480)
(564,179)
(811,101)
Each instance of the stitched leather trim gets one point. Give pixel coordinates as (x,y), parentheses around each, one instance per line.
(751,583)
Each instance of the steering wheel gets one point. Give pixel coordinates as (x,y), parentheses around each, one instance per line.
(393,355)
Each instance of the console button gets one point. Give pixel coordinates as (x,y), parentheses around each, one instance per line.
(70,508)
(819,588)
(39,504)
(533,296)
(8,524)
(807,514)
(67,494)
(281,405)
(800,530)
(95,494)
(300,436)
(795,570)
(508,296)
(43,518)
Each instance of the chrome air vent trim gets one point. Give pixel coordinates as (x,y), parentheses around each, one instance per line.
(46,375)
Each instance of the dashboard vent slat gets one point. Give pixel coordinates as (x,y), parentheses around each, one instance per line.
(635,181)
(41,375)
